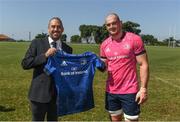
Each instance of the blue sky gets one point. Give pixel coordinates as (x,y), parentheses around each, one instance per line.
(160,18)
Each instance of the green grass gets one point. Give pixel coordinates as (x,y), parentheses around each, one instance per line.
(164,85)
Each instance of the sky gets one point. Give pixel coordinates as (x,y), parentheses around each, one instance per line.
(18,18)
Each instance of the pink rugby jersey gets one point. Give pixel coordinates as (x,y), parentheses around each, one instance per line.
(121,61)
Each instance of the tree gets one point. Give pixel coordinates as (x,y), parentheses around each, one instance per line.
(63,37)
(75,39)
(43,35)
(40,36)
(99,32)
(169,41)
(104,34)
(149,39)
(84,29)
(131,27)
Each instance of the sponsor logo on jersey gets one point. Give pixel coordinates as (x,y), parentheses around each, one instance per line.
(74,68)
(126,46)
(83,61)
(118,57)
(107,49)
(63,63)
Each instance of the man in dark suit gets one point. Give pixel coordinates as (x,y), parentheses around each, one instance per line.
(42,92)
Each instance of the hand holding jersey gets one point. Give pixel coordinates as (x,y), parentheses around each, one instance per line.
(50,52)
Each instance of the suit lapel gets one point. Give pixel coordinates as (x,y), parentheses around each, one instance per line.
(46,43)
(63,45)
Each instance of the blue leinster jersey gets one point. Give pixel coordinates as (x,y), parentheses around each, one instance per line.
(73,75)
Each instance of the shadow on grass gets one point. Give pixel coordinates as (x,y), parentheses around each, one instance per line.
(5,109)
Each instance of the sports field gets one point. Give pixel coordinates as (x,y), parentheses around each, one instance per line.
(164,85)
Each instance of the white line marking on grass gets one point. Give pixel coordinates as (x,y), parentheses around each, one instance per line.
(167,82)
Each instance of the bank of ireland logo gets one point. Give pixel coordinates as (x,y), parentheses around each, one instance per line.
(64,63)
(74,68)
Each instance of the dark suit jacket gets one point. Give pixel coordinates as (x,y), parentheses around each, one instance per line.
(42,85)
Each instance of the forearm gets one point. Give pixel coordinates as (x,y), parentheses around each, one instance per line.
(30,61)
(33,58)
(144,75)
(141,96)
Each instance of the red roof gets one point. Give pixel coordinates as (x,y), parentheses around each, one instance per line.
(5,38)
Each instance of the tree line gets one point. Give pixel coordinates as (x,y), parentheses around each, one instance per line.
(100,33)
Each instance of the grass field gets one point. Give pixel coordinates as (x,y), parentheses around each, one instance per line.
(164,86)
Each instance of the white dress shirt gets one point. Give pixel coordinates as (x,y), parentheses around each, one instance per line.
(58,43)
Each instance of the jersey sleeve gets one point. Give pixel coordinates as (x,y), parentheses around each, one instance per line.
(138,46)
(49,67)
(99,63)
(102,54)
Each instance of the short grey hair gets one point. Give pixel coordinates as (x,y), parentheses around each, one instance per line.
(114,14)
(56,18)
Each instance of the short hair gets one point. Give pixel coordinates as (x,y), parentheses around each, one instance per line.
(114,14)
(56,18)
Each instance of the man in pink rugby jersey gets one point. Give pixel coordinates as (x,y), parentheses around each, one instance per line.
(121,51)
